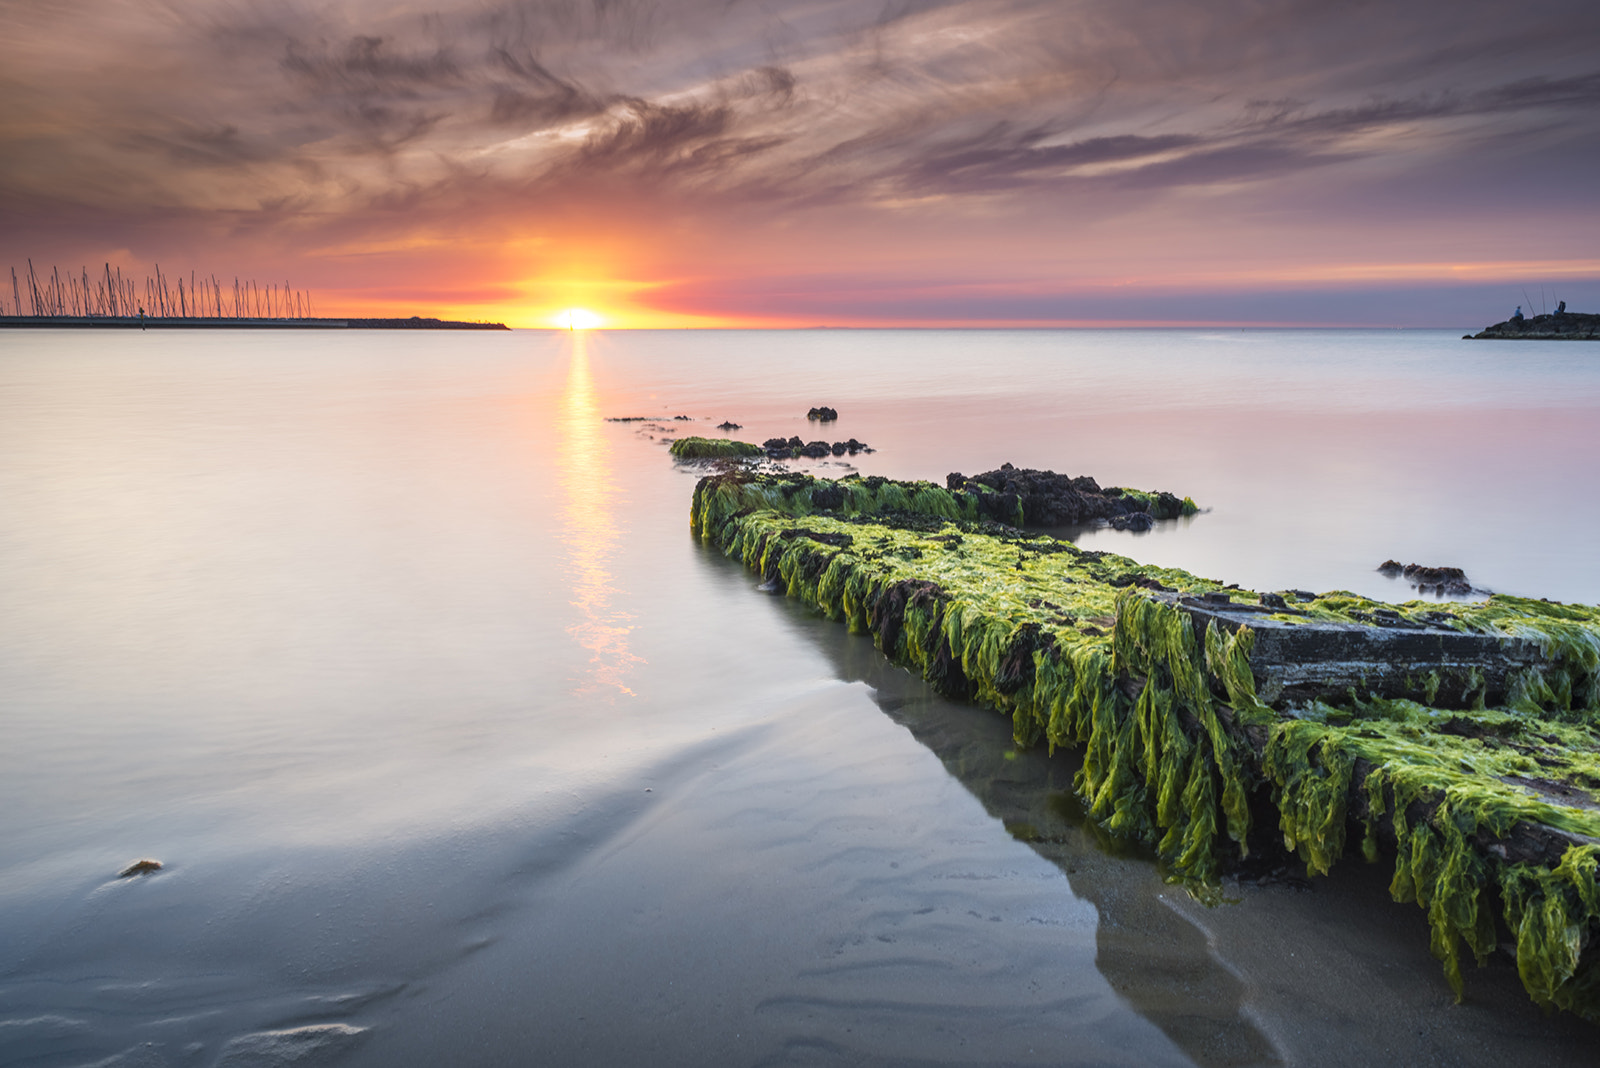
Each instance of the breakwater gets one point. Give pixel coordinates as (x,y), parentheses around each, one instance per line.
(97,322)
(1455,742)
(1557,326)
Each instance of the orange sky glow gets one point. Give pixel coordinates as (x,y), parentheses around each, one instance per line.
(989,163)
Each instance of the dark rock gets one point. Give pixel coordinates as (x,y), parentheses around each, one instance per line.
(139,867)
(1562,326)
(1439,581)
(796,443)
(1052,500)
(1136,521)
(683,418)
(784,453)
(1272,600)
(729,425)
(1433,576)
(827,415)
(1144,582)
(775,443)
(827,496)
(815,449)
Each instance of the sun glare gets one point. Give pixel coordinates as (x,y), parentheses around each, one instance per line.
(578,319)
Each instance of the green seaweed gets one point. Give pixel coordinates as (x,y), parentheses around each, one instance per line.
(1159,505)
(1446,796)
(796,494)
(697,448)
(1021,623)
(1176,742)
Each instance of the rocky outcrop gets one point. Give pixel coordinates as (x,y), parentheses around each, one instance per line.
(1442,581)
(789,448)
(1052,500)
(1559,326)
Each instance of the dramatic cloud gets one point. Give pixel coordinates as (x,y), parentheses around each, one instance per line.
(649,150)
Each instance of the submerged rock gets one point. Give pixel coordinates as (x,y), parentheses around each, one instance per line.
(788,448)
(1135,521)
(729,425)
(1441,581)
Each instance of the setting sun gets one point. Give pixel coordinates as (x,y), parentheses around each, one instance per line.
(578,319)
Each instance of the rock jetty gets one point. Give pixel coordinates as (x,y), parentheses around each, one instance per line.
(1557,326)
(1223,726)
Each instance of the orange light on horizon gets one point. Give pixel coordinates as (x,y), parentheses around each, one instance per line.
(579,319)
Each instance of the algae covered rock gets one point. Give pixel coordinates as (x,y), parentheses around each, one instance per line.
(1052,500)
(1217,724)
(697,448)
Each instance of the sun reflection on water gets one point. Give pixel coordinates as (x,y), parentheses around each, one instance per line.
(590,530)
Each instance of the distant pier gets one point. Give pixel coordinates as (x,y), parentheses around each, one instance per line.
(157,322)
(1560,326)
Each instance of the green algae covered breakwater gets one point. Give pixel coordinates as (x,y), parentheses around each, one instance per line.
(1459,743)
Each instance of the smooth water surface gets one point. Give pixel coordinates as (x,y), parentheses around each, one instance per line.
(458,748)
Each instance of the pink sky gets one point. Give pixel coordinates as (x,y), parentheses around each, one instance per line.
(838,163)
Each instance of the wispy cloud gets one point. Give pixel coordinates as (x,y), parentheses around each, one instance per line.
(239,117)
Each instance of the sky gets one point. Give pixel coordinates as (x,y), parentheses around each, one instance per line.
(820,162)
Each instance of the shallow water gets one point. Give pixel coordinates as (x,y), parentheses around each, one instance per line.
(458,749)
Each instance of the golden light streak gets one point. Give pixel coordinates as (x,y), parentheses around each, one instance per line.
(589,530)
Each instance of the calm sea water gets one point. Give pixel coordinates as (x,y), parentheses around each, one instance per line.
(458,749)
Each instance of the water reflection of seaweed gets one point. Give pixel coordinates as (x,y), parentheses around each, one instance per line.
(589,528)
